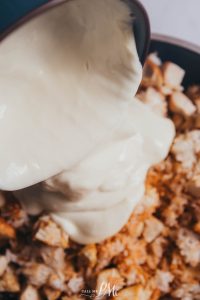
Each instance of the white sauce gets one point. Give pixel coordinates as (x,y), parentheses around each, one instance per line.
(74,141)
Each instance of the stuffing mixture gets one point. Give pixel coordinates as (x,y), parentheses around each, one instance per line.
(157,253)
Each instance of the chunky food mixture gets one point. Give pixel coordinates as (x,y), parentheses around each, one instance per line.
(73,138)
(157,253)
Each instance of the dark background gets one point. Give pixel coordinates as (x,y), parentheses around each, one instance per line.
(12,10)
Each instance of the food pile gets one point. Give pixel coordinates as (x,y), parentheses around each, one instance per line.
(157,253)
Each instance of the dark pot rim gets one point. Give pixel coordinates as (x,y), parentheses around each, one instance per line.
(31,15)
(175,41)
(148,31)
(53,3)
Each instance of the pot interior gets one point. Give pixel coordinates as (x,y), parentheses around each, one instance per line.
(188,59)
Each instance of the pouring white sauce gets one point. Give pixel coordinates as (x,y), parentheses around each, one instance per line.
(74,141)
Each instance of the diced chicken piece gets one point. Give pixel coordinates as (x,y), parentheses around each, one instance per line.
(152,75)
(9,282)
(53,257)
(131,271)
(165,90)
(155,101)
(89,255)
(23,255)
(189,245)
(193,186)
(180,103)
(138,229)
(107,251)
(155,59)
(155,252)
(109,281)
(184,152)
(163,280)
(75,284)
(185,148)
(56,281)
(138,252)
(174,210)
(30,293)
(149,202)
(173,74)
(6,230)
(36,273)
(52,294)
(194,135)
(51,234)
(12,257)
(157,248)
(187,291)
(136,292)
(3,264)
(153,228)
